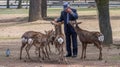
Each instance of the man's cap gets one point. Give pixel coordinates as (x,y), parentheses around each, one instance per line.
(66,5)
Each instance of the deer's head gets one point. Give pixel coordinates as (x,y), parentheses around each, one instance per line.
(75,24)
(50,35)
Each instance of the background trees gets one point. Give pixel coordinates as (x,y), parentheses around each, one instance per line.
(19,4)
(8,1)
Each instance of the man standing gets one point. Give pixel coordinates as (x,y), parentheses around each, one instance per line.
(67,15)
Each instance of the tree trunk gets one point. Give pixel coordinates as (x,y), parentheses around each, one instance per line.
(38,10)
(61,1)
(73,1)
(15,1)
(35,10)
(104,20)
(8,1)
(44,8)
(19,4)
(27,4)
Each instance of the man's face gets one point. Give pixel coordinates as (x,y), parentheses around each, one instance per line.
(67,9)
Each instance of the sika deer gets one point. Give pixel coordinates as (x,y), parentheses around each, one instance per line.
(59,42)
(88,37)
(27,41)
(41,42)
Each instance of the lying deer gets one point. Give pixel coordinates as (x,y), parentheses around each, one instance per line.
(59,41)
(88,37)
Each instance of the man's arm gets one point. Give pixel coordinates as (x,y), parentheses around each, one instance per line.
(60,19)
(74,14)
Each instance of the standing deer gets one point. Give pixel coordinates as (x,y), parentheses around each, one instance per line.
(59,41)
(88,37)
(27,41)
(41,42)
(37,39)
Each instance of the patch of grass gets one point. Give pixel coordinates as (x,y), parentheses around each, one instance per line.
(116,57)
(9,38)
(13,11)
(49,10)
(54,10)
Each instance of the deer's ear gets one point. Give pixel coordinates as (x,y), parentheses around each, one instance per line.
(79,22)
(45,31)
(52,23)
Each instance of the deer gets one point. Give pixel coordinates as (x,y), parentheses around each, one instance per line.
(27,41)
(29,38)
(59,41)
(88,37)
(41,43)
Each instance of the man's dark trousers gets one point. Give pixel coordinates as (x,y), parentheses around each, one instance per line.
(71,37)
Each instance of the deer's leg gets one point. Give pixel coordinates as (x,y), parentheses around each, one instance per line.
(58,48)
(82,50)
(99,46)
(40,56)
(47,52)
(49,47)
(100,56)
(27,49)
(39,52)
(62,55)
(60,52)
(62,58)
(23,45)
(43,52)
(85,51)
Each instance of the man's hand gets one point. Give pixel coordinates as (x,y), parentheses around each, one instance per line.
(68,10)
(55,20)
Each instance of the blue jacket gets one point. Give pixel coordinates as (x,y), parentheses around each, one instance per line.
(63,17)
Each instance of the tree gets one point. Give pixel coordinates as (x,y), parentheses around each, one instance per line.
(27,3)
(73,1)
(8,5)
(19,4)
(37,10)
(15,1)
(44,8)
(104,20)
(61,1)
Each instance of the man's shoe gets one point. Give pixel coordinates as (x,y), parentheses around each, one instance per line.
(68,55)
(74,56)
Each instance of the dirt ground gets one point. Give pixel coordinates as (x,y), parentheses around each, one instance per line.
(13,26)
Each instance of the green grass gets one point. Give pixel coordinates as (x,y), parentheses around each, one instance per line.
(50,10)
(9,38)
(13,11)
(115,57)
